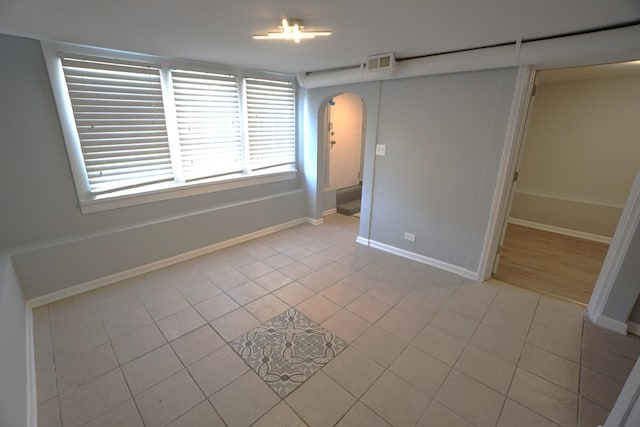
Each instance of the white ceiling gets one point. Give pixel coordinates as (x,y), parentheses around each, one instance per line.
(220,31)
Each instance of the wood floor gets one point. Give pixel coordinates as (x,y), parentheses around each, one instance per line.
(550,263)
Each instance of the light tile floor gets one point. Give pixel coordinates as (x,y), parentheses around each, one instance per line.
(425,347)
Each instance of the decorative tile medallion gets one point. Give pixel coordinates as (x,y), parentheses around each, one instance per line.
(287,350)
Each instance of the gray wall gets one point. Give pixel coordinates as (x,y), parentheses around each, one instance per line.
(13,368)
(40,213)
(635,312)
(50,268)
(444,136)
(626,286)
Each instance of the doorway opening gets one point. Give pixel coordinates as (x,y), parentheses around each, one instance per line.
(344,153)
(578,160)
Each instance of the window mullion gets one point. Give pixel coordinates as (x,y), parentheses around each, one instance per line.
(245,125)
(172,124)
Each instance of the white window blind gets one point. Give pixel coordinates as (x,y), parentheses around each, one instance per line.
(120,120)
(270,108)
(209,123)
(140,128)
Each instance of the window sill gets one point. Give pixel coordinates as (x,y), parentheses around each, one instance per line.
(171,191)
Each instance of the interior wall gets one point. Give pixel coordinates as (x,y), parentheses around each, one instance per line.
(13,354)
(314,157)
(626,286)
(40,213)
(329,200)
(634,316)
(444,137)
(581,154)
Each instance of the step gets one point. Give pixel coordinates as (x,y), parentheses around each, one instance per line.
(349,208)
(349,193)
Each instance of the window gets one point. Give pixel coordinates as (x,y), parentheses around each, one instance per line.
(119,117)
(270,121)
(209,125)
(146,130)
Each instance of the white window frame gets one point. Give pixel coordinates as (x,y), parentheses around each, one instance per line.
(89,202)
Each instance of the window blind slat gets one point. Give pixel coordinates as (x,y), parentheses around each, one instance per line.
(270,107)
(120,120)
(118,107)
(209,125)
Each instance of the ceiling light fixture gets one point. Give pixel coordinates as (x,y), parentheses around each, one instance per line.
(293,32)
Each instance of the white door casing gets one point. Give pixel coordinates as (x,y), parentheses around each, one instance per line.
(514,177)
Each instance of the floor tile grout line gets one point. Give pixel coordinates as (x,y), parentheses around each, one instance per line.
(120,366)
(55,369)
(135,403)
(452,367)
(206,398)
(226,344)
(109,339)
(536,375)
(101,321)
(517,364)
(580,373)
(387,368)
(441,305)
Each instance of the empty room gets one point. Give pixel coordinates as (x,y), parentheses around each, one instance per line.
(289,214)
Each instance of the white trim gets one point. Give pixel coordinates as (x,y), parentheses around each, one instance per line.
(633,328)
(513,140)
(64,109)
(611,324)
(173,191)
(113,278)
(32,389)
(46,244)
(471,275)
(560,230)
(607,50)
(567,199)
(314,221)
(460,271)
(362,240)
(329,212)
(625,231)
(625,412)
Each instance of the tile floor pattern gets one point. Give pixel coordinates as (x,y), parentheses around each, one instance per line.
(287,350)
(426,348)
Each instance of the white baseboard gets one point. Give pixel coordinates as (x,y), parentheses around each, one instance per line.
(113,278)
(471,275)
(314,221)
(421,258)
(329,212)
(32,389)
(633,328)
(611,324)
(362,240)
(560,230)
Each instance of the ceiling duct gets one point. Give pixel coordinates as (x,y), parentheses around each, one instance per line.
(587,48)
(384,63)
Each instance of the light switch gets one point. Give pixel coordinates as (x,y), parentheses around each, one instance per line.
(381,149)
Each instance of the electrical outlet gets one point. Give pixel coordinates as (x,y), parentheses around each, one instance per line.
(410,237)
(381,149)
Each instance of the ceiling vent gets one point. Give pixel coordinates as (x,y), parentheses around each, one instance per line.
(384,63)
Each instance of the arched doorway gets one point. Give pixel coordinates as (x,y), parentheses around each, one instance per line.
(342,146)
